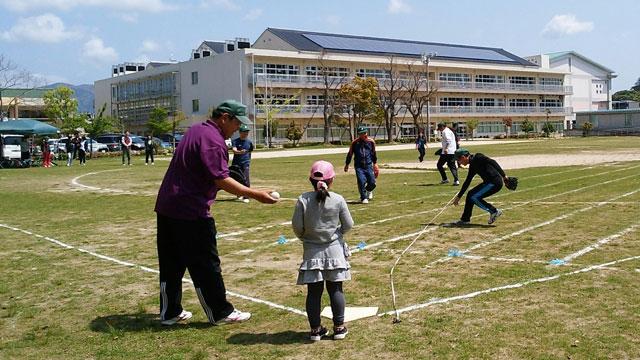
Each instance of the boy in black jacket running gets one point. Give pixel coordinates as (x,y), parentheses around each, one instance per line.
(492,177)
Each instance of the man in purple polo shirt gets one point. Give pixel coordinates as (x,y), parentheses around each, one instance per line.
(186,230)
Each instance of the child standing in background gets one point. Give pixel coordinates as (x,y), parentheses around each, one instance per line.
(421,143)
(320,219)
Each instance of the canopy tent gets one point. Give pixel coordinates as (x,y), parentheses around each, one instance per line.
(27,127)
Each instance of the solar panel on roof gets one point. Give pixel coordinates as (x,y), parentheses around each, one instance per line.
(406,48)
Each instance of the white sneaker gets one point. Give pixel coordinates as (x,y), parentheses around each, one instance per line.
(364,201)
(184,315)
(370,195)
(145,164)
(495,216)
(235,317)
(245,200)
(445,181)
(461,222)
(456,183)
(153,163)
(124,164)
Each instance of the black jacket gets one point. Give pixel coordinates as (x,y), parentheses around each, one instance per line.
(488,169)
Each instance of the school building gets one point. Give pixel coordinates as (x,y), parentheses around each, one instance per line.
(285,74)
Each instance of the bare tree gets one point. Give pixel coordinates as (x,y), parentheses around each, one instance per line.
(331,79)
(389,93)
(417,97)
(13,77)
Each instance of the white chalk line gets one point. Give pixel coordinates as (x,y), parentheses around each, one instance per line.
(261,247)
(477,257)
(510,286)
(544,223)
(144,268)
(601,242)
(241,232)
(75,182)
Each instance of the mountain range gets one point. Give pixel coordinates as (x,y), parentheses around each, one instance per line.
(83,93)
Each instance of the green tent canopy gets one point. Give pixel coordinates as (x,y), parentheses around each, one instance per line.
(27,127)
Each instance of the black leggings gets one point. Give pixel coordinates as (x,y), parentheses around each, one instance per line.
(314,300)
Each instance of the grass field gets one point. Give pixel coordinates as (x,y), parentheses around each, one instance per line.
(77,247)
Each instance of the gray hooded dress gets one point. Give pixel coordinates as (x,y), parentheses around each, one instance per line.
(320,228)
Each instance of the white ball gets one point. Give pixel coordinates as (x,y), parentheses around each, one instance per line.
(405,184)
(275,195)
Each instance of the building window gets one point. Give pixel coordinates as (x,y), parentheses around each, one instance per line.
(551,81)
(628,122)
(319,99)
(195,104)
(525,80)
(489,78)
(331,71)
(372,73)
(277,99)
(194,78)
(599,88)
(550,103)
(522,102)
(455,102)
(484,102)
(455,77)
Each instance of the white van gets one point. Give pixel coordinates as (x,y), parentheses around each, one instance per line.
(11,146)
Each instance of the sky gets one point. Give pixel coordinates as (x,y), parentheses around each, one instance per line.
(77,41)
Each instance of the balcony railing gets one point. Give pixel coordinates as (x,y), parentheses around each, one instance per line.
(434,110)
(276,80)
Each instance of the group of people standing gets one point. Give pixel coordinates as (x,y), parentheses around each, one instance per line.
(76,146)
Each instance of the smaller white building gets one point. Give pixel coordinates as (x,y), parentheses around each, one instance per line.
(590,80)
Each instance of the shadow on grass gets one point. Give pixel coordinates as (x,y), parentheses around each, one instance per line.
(422,184)
(137,322)
(467,225)
(281,338)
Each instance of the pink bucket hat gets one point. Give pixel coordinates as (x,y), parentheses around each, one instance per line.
(322,170)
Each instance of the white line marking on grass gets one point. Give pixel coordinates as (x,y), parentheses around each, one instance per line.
(600,242)
(144,268)
(510,286)
(532,227)
(257,228)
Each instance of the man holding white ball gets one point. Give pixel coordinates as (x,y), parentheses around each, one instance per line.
(186,230)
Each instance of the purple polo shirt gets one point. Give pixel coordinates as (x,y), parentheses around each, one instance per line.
(188,188)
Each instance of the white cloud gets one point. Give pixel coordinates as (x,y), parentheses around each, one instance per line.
(65,5)
(51,79)
(562,25)
(398,6)
(131,17)
(149,45)
(333,19)
(95,50)
(142,59)
(46,28)
(227,4)
(254,14)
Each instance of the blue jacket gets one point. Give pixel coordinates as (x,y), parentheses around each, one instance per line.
(363,152)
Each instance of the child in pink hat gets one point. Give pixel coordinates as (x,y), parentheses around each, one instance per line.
(320,219)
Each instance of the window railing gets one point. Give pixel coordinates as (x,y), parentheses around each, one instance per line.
(276,79)
(400,109)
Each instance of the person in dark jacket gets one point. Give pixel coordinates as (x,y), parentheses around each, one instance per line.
(148,150)
(363,151)
(492,178)
(421,144)
(70,147)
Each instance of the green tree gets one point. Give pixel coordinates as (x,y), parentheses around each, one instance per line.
(272,105)
(586,128)
(61,108)
(98,126)
(158,122)
(361,102)
(547,127)
(626,95)
(471,125)
(293,132)
(527,126)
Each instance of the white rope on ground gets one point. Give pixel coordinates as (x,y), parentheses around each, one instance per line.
(144,268)
(393,292)
(510,286)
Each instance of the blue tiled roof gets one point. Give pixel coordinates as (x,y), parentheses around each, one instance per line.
(314,41)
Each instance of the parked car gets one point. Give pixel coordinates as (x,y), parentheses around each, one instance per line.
(137,143)
(11,146)
(169,138)
(161,144)
(111,140)
(97,147)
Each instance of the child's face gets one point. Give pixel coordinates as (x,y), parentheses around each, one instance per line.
(244,134)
